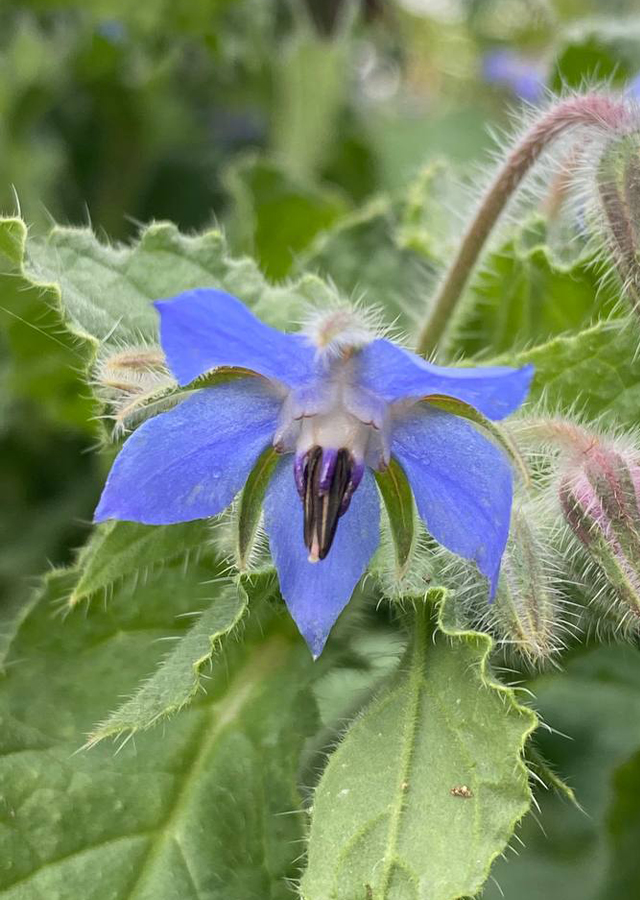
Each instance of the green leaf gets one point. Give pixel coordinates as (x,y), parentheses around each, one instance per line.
(596,372)
(623,826)
(427,785)
(365,256)
(398,501)
(117,550)
(178,678)
(275,215)
(106,292)
(43,359)
(523,296)
(250,508)
(203,806)
(604,50)
(310,89)
(390,251)
(592,709)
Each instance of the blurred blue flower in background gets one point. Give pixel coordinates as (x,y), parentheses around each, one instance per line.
(336,402)
(506,68)
(633,87)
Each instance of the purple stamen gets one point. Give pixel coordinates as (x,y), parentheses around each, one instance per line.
(327,469)
(356,477)
(300,473)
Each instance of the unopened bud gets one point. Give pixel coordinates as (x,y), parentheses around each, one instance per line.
(599,493)
(129,379)
(529,613)
(618,182)
(529,616)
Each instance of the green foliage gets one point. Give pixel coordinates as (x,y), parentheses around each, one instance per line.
(442,743)
(595,372)
(310,78)
(180,674)
(595,702)
(241,113)
(44,360)
(118,550)
(523,295)
(275,215)
(107,292)
(176,814)
(607,51)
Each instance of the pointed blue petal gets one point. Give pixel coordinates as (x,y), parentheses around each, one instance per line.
(205,328)
(396,374)
(461,483)
(190,462)
(316,593)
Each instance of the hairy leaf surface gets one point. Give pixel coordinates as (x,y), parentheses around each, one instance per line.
(176,814)
(428,782)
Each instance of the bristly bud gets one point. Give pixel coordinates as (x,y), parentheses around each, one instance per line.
(618,183)
(600,497)
(528,608)
(529,614)
(128,379)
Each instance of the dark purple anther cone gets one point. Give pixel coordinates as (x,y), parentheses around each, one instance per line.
(330,478)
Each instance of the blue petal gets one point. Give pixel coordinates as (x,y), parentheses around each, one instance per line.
(395,374)
(316,593)
(203,329)
(189,463)
(461,483)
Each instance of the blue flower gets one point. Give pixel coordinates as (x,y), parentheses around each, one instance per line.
(336,403)
(522,76)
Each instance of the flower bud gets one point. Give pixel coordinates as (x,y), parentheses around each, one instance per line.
(529,613)
(618,185)
(600,498)
(129,379)
(529,616)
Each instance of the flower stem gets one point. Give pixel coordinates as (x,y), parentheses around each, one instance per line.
(603,113)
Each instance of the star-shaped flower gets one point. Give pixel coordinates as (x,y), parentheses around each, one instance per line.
(336,402)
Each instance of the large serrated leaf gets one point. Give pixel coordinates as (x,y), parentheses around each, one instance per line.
(179,676)
(117,550)
(595,372)
(107,292)
(176,814)
(523,296)
(428,783)
(44,362)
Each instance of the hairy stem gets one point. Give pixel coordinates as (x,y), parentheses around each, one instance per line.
(591,110)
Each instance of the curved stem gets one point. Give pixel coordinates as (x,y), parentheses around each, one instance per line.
(591,110)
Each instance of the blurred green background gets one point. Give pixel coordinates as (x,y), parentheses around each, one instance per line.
(275,120)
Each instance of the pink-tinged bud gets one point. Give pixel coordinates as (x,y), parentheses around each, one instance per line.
(618,182)
(529,613)
(600,498)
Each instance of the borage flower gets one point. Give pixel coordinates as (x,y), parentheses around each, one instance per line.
(336,402)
